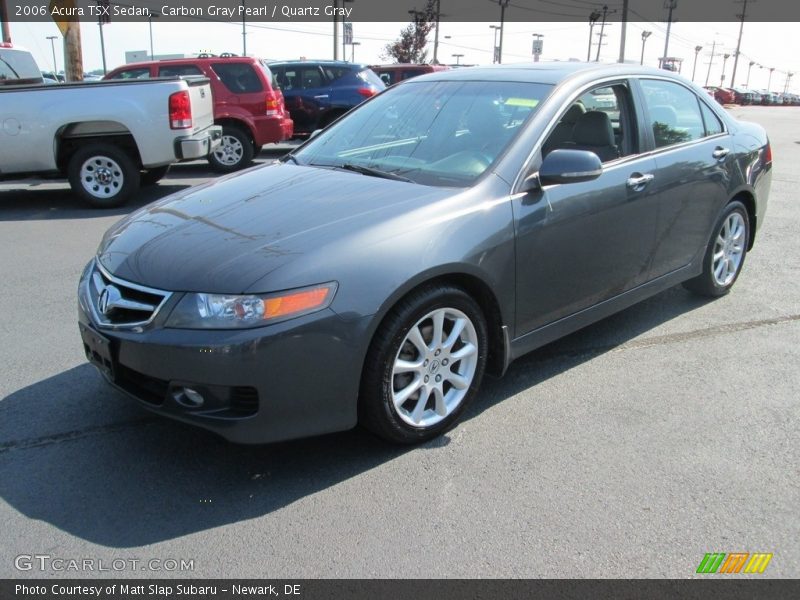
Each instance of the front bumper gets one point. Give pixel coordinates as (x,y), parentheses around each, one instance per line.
(199,145)
(289,380)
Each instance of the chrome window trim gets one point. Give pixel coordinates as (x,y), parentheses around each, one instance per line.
(99,320)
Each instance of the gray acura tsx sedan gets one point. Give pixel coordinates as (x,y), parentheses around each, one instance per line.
(438,231)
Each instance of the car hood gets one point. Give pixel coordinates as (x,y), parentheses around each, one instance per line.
(225,235)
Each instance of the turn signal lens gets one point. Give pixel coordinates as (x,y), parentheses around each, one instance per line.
(291,304)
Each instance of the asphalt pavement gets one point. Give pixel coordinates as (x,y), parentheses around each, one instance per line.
(629,449)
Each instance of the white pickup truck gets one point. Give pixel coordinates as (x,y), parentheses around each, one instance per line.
(107,138)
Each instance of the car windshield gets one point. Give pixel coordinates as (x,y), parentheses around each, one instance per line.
(442,133)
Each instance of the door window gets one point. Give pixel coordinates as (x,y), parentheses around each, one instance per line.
(674,112)
(179,71)
(142,73)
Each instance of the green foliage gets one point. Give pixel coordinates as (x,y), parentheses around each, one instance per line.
(410,46)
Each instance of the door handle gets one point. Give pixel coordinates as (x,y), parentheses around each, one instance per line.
(321,96)
(720,152)
(638,181)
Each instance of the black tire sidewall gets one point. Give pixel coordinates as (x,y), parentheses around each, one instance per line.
(130,174)
(394,330)
(248,151)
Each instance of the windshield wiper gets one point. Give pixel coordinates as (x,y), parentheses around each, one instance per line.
(374,172)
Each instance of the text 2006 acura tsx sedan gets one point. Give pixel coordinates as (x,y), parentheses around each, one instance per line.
(440,230)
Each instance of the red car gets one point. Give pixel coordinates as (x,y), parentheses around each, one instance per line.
(247,102)
(723,95)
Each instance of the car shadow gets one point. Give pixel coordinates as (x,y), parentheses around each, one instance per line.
(83,458)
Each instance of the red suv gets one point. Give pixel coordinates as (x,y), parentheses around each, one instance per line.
(247,102)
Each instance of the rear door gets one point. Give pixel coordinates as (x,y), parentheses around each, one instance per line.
(306,93)
(694,159)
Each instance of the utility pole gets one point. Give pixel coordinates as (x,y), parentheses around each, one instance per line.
(696,52)
(769,81)
(102,20)
(495,52)
(645,35)
(335,31)
(788,79)
(244,31)
(739,42)
(593,16)
(6,36)
(503,4)
(624,31)
(671,5)
(711,62)
(602,28)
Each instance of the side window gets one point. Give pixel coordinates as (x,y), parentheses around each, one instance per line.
(387,77)
(599,121)
(178,71)
(239,78)
(310,78)
(143,73)
(674,112)
(712,122)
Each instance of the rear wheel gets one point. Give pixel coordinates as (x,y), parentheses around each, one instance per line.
(424,366)
(725,253)
(234,153)
(103,175)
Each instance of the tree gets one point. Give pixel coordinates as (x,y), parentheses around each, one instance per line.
(410,46)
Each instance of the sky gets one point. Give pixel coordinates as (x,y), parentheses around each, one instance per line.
(770,45)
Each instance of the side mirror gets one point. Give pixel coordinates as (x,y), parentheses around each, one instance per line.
(569,166)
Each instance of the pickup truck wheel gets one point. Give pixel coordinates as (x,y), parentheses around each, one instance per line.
(103,175)
(234,153)
(153,176)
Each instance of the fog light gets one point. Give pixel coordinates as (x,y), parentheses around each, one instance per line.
(189,398)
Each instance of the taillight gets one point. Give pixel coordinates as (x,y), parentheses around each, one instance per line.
(273,105)
(367,92)
(768,154)
(180,111)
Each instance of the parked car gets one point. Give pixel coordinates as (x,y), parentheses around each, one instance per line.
(319,92)
(391,74)
(248,104)
(723,95)
(107,138)
(743,96)
(375,273)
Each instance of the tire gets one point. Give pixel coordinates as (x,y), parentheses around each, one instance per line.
(234,153)
(412,389)
(103,175)
(153,176)
(725,253)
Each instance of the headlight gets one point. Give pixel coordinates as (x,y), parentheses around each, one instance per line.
(225,311)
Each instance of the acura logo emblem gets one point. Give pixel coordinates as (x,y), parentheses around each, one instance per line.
(108,299)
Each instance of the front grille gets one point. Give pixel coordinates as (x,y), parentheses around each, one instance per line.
(144,387)
(118,303)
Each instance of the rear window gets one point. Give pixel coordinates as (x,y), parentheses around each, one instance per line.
(141,73)
(18,65)
(179,71)
(239,78)
(271,77)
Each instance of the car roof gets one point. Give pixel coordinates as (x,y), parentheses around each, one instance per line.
(547,72)
(172,61)
(330,63)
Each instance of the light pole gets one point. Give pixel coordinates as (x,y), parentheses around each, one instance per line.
(769,81)
(52,39)
(353,51)
(593,16)
(747,83)
(645,35)
(495,48)
(457,57)
(696,52)
(150,17)
(671,5)
(503,4)
(725,58)
(602,29)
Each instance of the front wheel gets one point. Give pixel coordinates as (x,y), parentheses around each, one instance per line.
(103,175)
(424,366)
(234,153)
(725,253)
